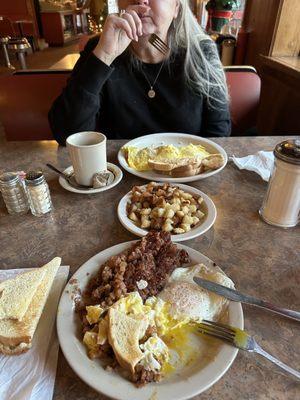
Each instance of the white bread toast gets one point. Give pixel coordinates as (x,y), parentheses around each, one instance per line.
(124,333)
(16,336)
(170,164)
(17,293)
(213,161)
(187,166)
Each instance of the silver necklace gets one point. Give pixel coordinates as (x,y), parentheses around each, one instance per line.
(151,91)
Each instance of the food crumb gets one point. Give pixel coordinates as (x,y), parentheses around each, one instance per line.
(142,284)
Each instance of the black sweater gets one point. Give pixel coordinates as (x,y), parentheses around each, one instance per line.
(114,100)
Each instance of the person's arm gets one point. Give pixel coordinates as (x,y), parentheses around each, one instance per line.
(215,120)
(216,115)
(77,108)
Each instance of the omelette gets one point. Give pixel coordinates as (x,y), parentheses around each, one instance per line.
(137,158)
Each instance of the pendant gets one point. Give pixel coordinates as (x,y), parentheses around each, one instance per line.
(151,93)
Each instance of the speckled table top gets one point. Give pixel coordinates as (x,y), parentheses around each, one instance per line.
(262,260)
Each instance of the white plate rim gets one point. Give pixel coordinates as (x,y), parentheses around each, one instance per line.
(113,385)
(150,175)
(114,168)
(193,233)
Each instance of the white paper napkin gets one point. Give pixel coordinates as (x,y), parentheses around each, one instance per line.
(261,162)
(31,376)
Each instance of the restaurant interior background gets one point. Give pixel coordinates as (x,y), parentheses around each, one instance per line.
(47,35)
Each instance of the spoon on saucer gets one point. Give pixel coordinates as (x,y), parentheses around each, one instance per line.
(71,182)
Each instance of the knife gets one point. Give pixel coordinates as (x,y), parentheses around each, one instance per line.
(234,295)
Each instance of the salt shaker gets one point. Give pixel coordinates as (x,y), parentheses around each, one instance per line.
(38,193)
(281,206)
(13,193)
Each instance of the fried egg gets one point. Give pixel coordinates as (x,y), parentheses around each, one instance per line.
(188,300)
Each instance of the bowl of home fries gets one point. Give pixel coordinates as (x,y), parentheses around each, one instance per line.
(181,210)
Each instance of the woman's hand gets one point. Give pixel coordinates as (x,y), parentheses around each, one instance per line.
(118,32)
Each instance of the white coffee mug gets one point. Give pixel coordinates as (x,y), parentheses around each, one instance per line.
(88,155)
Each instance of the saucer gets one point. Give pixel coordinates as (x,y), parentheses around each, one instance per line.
(114,169)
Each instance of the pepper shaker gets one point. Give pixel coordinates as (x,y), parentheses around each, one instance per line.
(13,193)
(38,193)
(281,206)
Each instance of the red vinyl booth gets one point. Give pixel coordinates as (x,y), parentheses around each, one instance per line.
(244,87)
(26,97)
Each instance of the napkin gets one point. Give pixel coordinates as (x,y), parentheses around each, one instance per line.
(261,162)
(31,375)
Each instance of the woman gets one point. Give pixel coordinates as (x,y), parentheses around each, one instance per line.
(112,85)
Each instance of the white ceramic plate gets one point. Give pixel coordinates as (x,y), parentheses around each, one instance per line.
(177,139)
(203,226)
(178,387)
(118,174)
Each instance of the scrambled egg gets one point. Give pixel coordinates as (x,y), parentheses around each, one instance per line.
(138,158)
(163,320)
(156,354)
(93,314)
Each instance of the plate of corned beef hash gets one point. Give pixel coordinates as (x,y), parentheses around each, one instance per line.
(127,321)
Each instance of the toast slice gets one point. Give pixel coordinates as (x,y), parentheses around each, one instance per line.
(170,164)
(17,293)
(16,336)
(124,333)
(213,161)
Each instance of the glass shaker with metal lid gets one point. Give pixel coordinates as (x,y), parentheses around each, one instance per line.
(13,193)
(38,193)
(281,206)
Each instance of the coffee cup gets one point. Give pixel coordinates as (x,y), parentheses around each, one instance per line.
(87,151)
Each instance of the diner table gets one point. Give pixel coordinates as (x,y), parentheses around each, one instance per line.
(262,260)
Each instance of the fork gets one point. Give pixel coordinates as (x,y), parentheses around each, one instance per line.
(242,340)
(159,44)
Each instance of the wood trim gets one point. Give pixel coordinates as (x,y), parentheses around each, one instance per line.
(286,39)
(260,20)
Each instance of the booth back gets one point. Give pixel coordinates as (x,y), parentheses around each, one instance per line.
(244,87)
(26,97)
(25,100)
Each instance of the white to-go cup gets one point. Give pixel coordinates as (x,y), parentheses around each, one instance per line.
(88,155)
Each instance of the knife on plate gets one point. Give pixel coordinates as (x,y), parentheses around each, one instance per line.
(234,295)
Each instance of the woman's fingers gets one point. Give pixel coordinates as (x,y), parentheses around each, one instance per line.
(137,21)
(122,23)
(131,21)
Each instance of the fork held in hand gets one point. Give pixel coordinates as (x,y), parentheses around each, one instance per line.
(242,340)
(159,44)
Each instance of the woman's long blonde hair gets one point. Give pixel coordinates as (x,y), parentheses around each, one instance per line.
(203,70)
(202,67)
